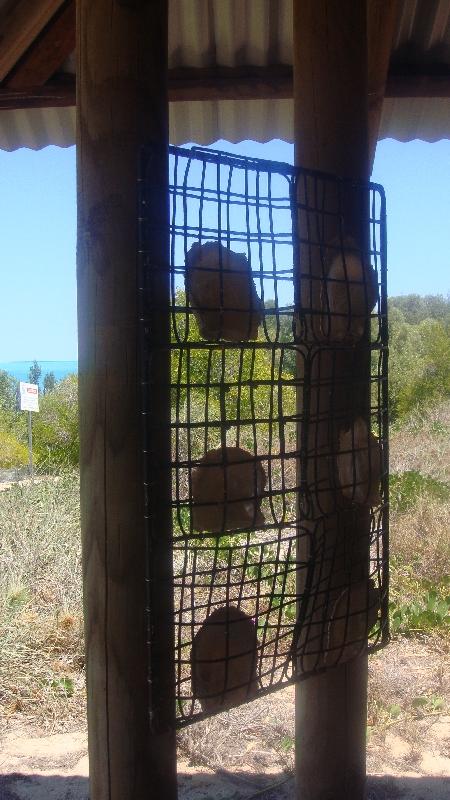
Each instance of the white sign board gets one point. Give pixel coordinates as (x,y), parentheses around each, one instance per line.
(29,396)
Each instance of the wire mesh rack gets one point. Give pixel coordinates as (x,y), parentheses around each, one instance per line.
(267,336)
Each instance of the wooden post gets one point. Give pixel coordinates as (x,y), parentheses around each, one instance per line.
(382,18)
(122,104)
(330,100)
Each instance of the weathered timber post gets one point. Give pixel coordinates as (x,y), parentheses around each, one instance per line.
(122,104)
(330,97)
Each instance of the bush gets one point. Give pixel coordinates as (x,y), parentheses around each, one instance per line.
(12,452)
(429,611)
(406,488)
(419,363)
(55,428)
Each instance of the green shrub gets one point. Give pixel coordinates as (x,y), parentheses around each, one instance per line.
(419,362)
(427,612)
(55,427)
(405,488)
(12,452)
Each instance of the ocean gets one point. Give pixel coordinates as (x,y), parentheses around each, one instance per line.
(20,369)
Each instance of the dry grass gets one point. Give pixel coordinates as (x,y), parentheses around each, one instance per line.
(420,532)
(42,658)
(409,691)
(41,661)
(257,737)
(420,539)
(423,444)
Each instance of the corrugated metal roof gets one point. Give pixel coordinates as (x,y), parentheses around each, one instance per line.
(423,32)
(402,119)
(208,33)
(37,127)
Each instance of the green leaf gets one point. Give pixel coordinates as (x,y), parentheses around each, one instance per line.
(287,743)
(419,702)
(63,686)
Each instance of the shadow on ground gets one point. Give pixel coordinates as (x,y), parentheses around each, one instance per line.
(222,786)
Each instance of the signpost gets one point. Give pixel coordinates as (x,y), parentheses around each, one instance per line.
(29,401)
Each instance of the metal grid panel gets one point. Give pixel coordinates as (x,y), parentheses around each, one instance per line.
(263,594)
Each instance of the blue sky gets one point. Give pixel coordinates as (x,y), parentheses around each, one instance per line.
(38,236)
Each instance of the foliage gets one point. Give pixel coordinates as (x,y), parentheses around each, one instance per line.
(406,487)
(41,668)
(428,611)
(420,542)
(49,382)
(55,428)
(35,372)
(247,393)
(419,362)
(416,308)
(9,387)
(12,452)
(11,419)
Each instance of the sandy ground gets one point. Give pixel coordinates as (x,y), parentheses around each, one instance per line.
(56,768)
(248,753)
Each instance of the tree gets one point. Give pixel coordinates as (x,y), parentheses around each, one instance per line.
(11,420)
(419,361)
(35,372)
(8,391)
(231,388)
(49,382)
(416,308)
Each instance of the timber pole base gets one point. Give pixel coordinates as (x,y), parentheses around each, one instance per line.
(330,710)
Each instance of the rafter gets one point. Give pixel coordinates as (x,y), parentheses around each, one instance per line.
(20,27)
(51,48)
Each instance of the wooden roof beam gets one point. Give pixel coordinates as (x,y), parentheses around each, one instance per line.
(20,27)
(49,50)
(57,94)
(61,91)
(231,83)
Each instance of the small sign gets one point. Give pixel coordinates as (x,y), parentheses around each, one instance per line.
(29,396)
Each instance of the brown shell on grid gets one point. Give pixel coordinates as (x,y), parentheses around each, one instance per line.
(353,615)
(223,659)
(227,487)
(359,464)
(348,296)
(222,293)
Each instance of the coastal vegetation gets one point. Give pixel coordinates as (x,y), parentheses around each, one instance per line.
(42,665)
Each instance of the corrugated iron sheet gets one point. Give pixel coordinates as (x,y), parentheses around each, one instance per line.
(233,120)
(205,33)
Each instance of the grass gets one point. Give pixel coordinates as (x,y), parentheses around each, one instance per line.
(420,524)
(42,657)
(406,488)
(42,660)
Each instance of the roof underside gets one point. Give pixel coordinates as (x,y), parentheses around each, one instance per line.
(242,41)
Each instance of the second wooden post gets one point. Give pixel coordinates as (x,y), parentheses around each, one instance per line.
(330,96)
